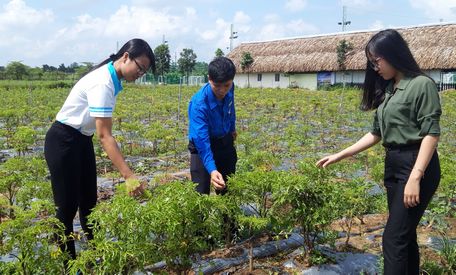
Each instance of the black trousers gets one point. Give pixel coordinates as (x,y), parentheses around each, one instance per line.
(400,247)
(71,160)
(225,158)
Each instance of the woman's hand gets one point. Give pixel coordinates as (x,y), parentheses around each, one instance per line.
(367,141)
(329,160)
(135,186)
(412,189)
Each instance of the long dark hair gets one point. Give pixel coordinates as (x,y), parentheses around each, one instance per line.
(389,45)
(135,48)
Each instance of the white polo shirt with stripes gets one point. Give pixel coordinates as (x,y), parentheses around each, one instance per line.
(94,95)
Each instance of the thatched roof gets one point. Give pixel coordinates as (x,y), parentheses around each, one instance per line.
(434,47)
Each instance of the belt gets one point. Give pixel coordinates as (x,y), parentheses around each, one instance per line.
(218,143)
(403,147)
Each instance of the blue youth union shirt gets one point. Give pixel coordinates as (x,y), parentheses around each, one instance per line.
(210,118)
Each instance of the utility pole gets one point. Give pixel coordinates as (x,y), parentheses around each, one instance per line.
(163,40)
(344,19)
(233,35)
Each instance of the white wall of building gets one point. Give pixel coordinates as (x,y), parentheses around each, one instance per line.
(307,80)
(269,80)
(350,77)
(434,74)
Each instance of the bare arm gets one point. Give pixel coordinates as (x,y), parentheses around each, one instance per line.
(104,132)
(367,141)
(427,148)
(412,188)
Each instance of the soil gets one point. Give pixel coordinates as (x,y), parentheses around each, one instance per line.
(366,238)
(357,244)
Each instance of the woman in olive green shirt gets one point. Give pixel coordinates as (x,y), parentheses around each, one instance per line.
(406,120)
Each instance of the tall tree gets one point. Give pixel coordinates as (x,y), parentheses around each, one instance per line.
(200,68)
(62,68)
(16,70)
(187,61)
(162,59)
(246,63)
(343,49)
(219,53)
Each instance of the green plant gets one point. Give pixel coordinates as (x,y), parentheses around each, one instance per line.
(31,239)
(432,268)
(255,189)
(343,48)
(353,201)
(22,179)
(22,139)
(305,200)
(246,63)
(254,226)
(448,253)
(182,221)
(122,240)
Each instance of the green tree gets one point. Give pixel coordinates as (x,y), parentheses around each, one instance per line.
(31,238)
(187,62)
(201,68)
(62,68)
(16,70)
(23,138)
(82,70)
(18,176)
(343,49)
(162,59)
(36,73)
(219,53)
(246,63)
(72,68)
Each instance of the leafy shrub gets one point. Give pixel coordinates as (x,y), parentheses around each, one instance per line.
(32,240)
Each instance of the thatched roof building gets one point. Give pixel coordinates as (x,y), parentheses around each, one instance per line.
(434,47)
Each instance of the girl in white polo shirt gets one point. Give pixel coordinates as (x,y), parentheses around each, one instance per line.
(68,146)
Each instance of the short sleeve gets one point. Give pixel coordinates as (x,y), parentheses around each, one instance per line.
(101,101)
(376,126)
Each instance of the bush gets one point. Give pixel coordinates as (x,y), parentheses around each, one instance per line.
(32,240)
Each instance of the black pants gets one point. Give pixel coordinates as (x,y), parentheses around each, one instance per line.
(400,247)
(225,158)
(71,160)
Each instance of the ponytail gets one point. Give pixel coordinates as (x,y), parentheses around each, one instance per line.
(135,48)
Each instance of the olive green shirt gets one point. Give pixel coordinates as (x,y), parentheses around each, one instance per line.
(409,113)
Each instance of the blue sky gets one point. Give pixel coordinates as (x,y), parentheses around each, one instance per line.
(55,31)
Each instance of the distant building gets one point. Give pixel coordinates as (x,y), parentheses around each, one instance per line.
(312,61)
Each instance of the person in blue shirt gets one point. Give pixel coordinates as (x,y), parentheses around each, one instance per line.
(212,129)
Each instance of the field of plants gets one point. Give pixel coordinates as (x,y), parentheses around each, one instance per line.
(277,193)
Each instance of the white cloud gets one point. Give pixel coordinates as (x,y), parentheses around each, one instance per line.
(276,28)
(86,37)
(270,31)
(241,18)
(301,27)
(18,25)
(190,11)
(377,25)
(272,17)
(358,3)
(16,14)
(362,6)
(218,34)
(295,5)
(436,9)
